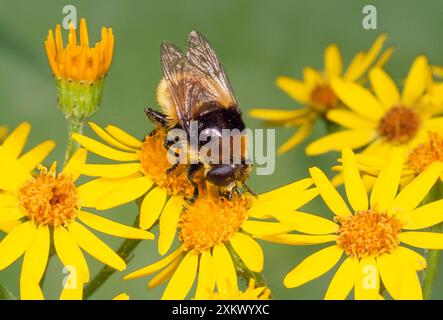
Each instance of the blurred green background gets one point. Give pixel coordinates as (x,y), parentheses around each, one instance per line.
(255,40)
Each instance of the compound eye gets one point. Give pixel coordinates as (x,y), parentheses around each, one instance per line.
(221,175)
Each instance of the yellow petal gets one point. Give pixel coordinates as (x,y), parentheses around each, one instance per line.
(75,163)
(367,284)
(34,265)
(249,251)
(350,119)
(125,192)
(410,258)
(8,200)
(103,150)
(304,130)
(287,190)
(124,137)
(313,266)
(425,240)
(95,247)
(69,253)
(308,223)
(108,138)
(261,228)
(7,227)
(121,297)
(300,239)
(390,270)
(363,61)
(358,99)
(386,185)
(411,195)
(10,214)
(146,271)
(281,205)
(90,192)
(13,173)
(37,155)
(72,291)
(312,78)
(225,275)
(424,216)
(15,142)
(410,288)
(416,81)
(343,280)
(113,228)
(183,278)
(384,87)
(294,88)
(15,243)
(206,277)
(168,223)
(339,140)
(151,207)
(165,274)
(329,194)
(355,189)
(333,61)
(110,170)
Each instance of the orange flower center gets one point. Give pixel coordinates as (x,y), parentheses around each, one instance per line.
(323,98)
(49,199)
(154,163)
(212,220)
(427,153)
(368,233)
(399,125)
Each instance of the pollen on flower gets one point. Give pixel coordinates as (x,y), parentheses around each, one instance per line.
(427,153)
(368,233)
(399,125)
(323,98)
(49,199)
(154,163)
(212,220)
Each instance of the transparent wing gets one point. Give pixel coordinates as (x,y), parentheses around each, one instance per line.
(210,80)
(174,64)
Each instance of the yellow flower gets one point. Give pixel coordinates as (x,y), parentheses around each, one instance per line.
(13,146)
(426,153)
(79,69)
(142,173)
(385,120)
(50,204)
(315,91)
(369,232)
(250,293)
(78,61)
(213,231)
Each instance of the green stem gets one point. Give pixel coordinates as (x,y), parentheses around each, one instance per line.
(75,125)
(124,252)
(432,256)
(5,294)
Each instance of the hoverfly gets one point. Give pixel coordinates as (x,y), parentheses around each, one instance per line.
(196,88)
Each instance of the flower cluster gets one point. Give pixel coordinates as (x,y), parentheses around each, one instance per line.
(391,164)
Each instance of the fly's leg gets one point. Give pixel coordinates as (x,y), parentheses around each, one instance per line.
(156,117)
(190,173)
